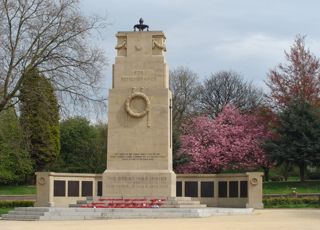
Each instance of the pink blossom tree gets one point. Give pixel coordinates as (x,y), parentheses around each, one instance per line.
(231,141)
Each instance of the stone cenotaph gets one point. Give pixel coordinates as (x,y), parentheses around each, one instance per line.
(139,157)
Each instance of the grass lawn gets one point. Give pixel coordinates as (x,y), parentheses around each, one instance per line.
(285,187)
(17,190)
(293,206)
(5,210)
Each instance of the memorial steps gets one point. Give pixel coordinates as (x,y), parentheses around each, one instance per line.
(39,213)
(95,208)
(133,202)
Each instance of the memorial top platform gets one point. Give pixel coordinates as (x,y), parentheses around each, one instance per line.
(154,32)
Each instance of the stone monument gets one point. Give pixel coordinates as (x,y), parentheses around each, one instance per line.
(139,157)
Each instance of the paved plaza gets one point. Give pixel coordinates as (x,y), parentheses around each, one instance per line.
(278,219)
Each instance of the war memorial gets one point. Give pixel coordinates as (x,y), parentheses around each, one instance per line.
(139,181)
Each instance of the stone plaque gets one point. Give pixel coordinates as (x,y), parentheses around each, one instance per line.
(223,188)
(73,188)
(87,187)
(243,189)
(207,189)
(191,188)
(233,189)
(59,188)
(99,188)
(137,156)
(179,188)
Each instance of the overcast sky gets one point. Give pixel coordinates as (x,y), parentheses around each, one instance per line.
(246,36)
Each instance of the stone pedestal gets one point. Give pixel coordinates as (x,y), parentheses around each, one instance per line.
(139,158)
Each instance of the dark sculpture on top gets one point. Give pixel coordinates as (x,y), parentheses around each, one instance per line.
(140,26)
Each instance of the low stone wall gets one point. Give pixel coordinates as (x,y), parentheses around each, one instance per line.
(216,190)
(241,190)
(62,189)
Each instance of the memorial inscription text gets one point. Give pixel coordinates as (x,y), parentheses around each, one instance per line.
(136,156)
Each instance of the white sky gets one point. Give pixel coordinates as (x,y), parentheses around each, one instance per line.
(246,36)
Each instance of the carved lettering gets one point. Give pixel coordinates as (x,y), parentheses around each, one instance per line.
(139,75)
(137,156)
(134,182)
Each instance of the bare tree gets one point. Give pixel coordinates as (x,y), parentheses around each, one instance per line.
(52,36)
(184,86)
(227,87)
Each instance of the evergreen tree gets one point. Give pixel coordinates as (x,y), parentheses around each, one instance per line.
(297,138)
(39,119)
(15,163)
(83,146)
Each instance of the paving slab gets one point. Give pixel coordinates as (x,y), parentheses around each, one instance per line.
(279,219)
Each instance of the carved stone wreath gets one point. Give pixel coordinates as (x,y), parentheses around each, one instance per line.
(128,104)
(254,181)
(41,181)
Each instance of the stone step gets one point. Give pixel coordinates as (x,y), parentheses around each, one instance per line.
(184,211)
(165,216)
(71,217)
(24,212)
(20,217)
(79,202)
(74,205)
(183,206)
(147,210)
(34,209)
(190,202)
(182,198)
(88,213)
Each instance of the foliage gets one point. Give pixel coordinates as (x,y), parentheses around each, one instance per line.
(184,87)
(224,88)
(39,119)
(291,202)
(314,175)
(17,190)
(231,141)
(284,172)
(286,187)
(16,203)
(15,163)
(52,36)
(297,79)
(83,146)
(298,140)
(5,210)
(178,158)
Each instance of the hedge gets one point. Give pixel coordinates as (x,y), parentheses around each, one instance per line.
(16,203)
(287,202)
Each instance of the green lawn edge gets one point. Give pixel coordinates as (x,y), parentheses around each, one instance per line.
(5,210)
(17,190)
(287,187)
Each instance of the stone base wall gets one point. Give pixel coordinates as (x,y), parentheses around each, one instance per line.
(62,189)
(242,190)
(139,183)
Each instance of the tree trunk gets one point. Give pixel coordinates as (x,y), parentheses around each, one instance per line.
(266,173)
(302,169)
